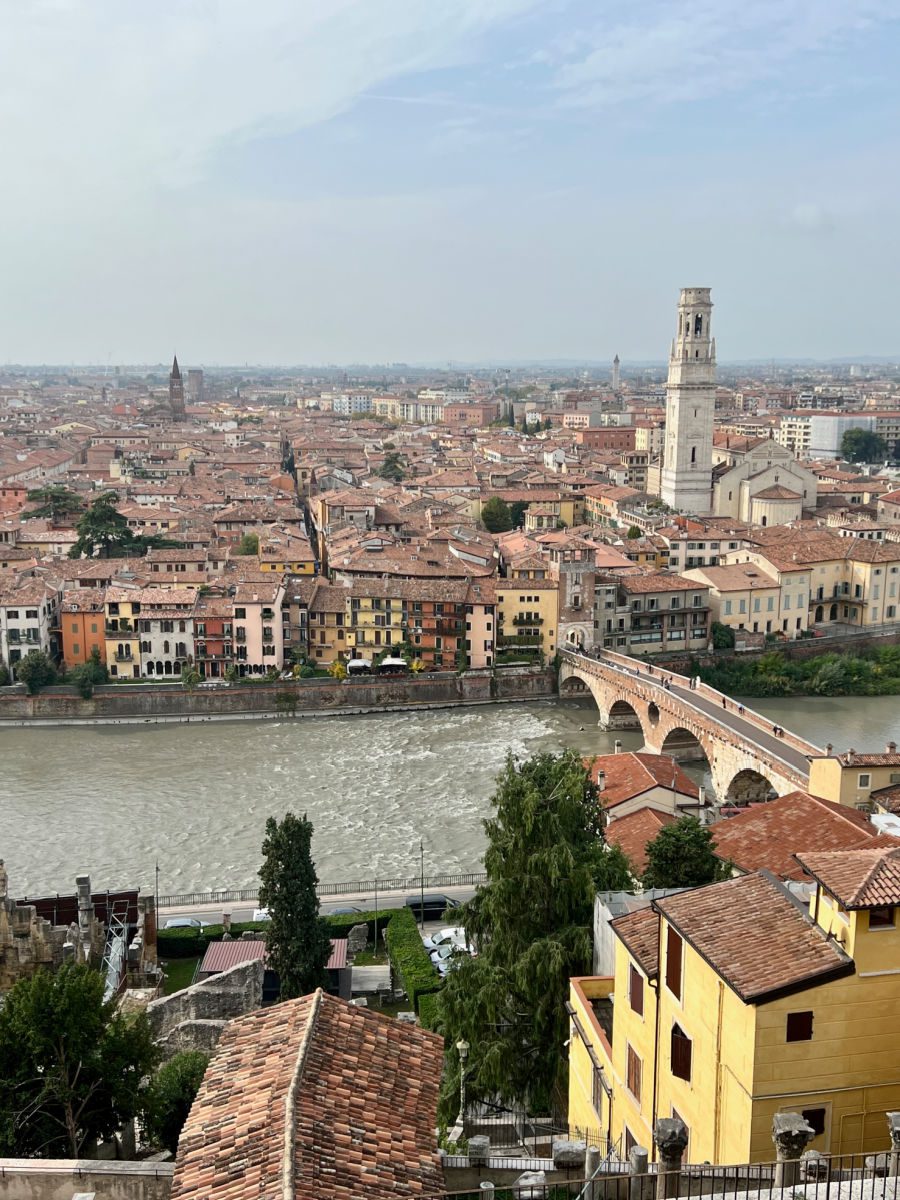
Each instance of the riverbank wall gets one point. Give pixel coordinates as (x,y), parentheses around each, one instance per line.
(284,699)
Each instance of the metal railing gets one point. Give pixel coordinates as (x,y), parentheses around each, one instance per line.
(400,883)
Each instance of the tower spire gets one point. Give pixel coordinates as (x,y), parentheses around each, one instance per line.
(686,482)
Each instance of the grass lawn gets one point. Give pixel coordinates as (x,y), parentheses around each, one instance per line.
(179,973)
(371,958)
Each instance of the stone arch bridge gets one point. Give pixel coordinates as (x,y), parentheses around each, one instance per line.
(746,760)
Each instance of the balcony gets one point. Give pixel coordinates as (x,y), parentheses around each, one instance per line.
(117,628)
(519,620)
(124,656)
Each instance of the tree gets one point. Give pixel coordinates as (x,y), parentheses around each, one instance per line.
(635,532)
(861,445)
(249,544)
(531,923)
(496,515)
(722,636)
(517,511)
(4,673)
(681,855)
(55,502)
(190,677)
(166,1101)
(85,676)
(103,528)
(338,670)
(70,1064)
(36,671)
(392,467)
(231,673)
(297,938)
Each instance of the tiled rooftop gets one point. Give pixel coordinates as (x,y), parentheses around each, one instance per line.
(314,1099)
(755,935)
(865,878)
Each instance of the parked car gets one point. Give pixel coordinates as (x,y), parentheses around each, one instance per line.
(185,923)
(454,935)
(431,906)
(261,914)
(342,912)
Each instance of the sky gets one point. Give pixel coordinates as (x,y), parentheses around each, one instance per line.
(372,181)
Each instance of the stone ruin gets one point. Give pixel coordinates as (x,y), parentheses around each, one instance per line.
(193,1019)
(29,942)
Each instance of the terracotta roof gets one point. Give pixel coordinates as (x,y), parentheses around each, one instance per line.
(632,833)
(639,933)
(318,1099)
(221,956)
(755,936)
(628,775)
(863,878)
(766,836)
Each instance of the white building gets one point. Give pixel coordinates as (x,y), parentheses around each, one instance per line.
(29,615)
(686,479)
(166,630)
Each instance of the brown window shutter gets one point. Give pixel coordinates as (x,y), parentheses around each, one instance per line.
(673,962)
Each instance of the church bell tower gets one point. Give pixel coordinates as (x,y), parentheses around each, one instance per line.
(686,481)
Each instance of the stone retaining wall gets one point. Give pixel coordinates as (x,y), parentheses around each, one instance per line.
(313,697)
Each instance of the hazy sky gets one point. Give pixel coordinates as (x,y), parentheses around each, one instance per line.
(377,180)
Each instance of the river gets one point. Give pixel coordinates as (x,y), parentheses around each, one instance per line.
(112,800)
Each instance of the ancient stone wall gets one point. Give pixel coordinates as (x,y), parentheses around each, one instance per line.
(193,1019)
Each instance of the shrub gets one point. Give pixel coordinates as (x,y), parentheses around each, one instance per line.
(167,1100)
(429,1012)
(410,958)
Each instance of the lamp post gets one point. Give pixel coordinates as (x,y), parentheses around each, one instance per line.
(462,1049)
(421,883)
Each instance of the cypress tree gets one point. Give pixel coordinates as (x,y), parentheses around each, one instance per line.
(297,938)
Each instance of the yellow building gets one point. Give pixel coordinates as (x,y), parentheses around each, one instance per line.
(123,646)
(855,779)
(527,614)
(745,597)
(286,553)
(733,1002)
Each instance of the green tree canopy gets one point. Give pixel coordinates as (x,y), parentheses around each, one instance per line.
(4,673)
(635,532)
(55,502)
(70,1064)
(392,467)
(496,515)
(166,1102)
(85,676)
(517,511)
(36,671)
(297,938)
(249,544)
(531,923)
(681,855)
(103,529)
(862,445)
(722,636)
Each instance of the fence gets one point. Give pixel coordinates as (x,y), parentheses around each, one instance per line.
(401,883)
(813,1177)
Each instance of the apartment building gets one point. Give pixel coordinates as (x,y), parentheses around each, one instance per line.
(165,628)
(258,633)
(733,1002)
(122,607)
(82,625)
(744,596)
(29,620)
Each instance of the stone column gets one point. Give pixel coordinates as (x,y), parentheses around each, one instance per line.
(893,1120)
(791,1135)
(671,1137)
(638,1170)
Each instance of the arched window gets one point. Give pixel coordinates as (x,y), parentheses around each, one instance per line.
(698,325)
(149,668)
(165,647)
(693,454)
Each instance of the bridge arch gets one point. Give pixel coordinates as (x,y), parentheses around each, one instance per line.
(573,686)
(749,787)
(683,745)
(623,715)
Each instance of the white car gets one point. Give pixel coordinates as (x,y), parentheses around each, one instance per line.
(454,935)
(261,914)
(185,923)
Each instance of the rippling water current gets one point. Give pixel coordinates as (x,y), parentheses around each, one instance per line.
(112,799)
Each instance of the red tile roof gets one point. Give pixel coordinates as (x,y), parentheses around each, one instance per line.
(314,1099)
(639,931)
(766,836)
(755,936)
(221,956)
(632,834)
(628,775)
(866,878)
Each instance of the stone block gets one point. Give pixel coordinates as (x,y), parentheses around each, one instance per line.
(567,1153)
(531,1185)
(479,1148)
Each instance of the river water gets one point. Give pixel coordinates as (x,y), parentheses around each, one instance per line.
(112,800)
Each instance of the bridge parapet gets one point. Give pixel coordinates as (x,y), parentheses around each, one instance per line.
(648,683)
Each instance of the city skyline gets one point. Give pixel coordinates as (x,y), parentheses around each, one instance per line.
(501,181)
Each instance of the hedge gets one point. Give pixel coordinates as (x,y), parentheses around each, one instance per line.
(187,942)
(340,924)
(417,972)
(429,1011)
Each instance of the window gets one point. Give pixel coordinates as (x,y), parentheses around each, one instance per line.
(681,1051)
(597,1091)
(727,608)
(815,1118)
(240,614)
(630,1141)
(633,1074)
(881,918)
(673,962)
(698,601)
(865,780)
(76,649)
(636,990)
(799,1027)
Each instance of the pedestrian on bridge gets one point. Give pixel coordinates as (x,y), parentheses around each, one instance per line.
(724,702)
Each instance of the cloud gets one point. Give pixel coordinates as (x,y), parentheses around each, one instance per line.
(666,54)
(100,96)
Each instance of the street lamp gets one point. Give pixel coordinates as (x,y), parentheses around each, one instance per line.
(462,1049)
(422,883)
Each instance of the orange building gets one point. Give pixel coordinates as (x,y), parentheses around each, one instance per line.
(81,618)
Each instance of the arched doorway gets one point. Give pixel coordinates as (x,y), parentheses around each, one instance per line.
(820,614)
(749,787)
(833,613)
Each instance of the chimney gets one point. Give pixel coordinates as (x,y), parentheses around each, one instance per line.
(828,748)
(892,747)
(617,746)
(601,781)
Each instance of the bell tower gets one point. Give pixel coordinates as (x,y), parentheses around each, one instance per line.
(686,481)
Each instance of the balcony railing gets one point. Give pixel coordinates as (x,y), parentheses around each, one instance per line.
(122,627)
